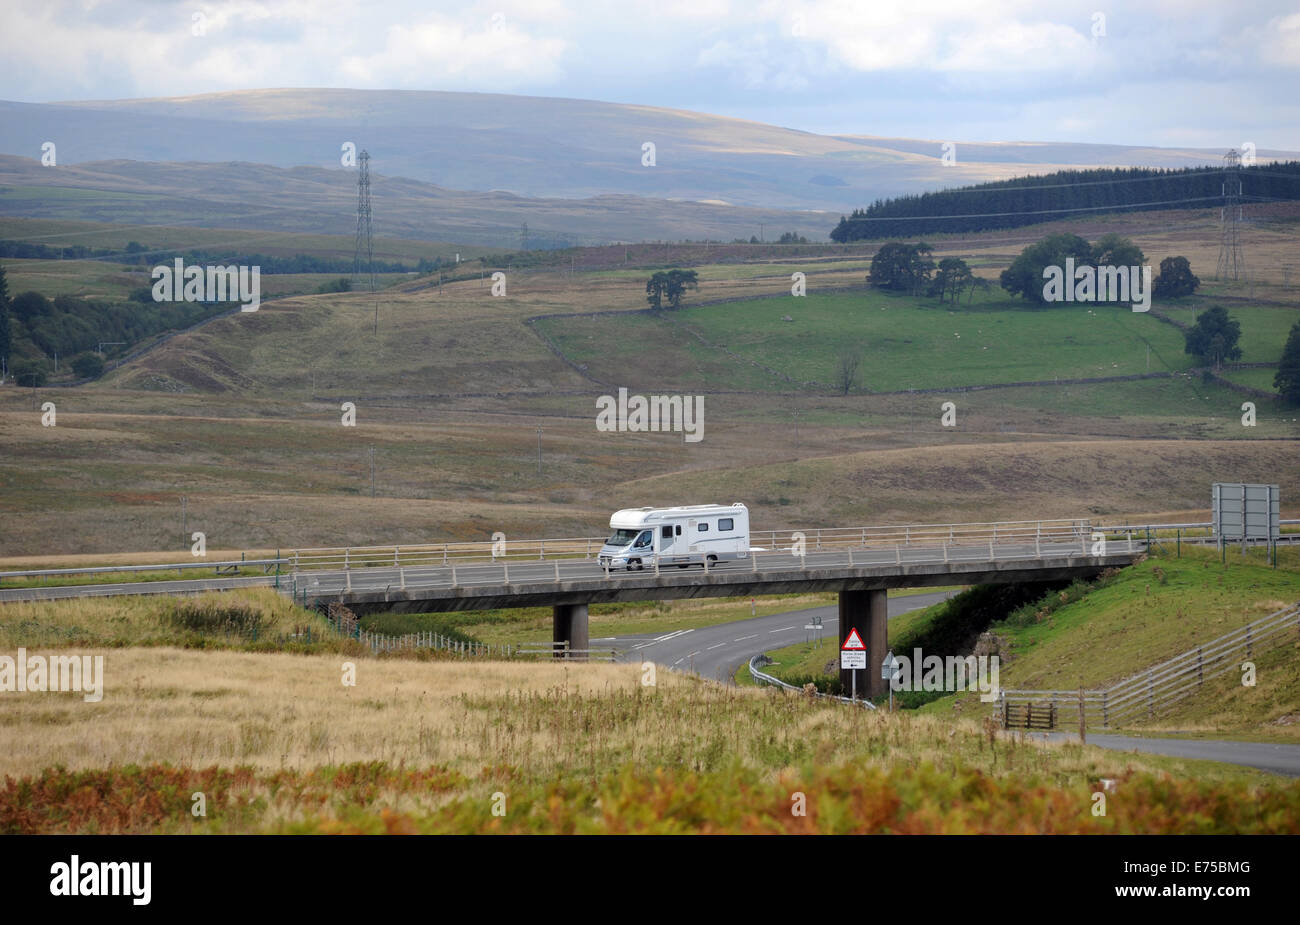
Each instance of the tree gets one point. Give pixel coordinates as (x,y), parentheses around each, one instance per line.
(846,370)
(1025,275)
(87,366)
(30,373)
(27,306)
(1113,250)
(951,279)
(901,266)
(1287,378)
(1175,278)
(654,290)
(670,285)
(1214,337)
(792,237)
(678,282)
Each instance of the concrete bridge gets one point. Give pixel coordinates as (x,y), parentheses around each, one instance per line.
(859,567)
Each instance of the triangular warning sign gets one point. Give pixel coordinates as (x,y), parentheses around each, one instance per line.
(853,642)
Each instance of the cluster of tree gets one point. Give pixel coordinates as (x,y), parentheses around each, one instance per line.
(34,329)
(1213,338)
(670,285)
(1027,200)
(22,250)
(1025,275)
(908,268)
(902,267)
(791,237)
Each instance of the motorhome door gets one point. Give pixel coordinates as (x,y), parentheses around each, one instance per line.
(671,543)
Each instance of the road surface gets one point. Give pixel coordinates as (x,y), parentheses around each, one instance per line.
(717,651)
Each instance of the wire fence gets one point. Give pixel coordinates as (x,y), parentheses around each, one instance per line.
(1155,691)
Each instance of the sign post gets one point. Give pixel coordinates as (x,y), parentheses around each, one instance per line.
(889,668)
(853,656)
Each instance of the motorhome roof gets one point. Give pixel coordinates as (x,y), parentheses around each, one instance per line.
(643,515)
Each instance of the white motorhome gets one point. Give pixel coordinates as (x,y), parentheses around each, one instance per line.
(676,536)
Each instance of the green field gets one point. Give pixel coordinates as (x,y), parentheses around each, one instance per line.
(905,342)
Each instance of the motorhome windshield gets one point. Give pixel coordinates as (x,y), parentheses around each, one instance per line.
(622,537)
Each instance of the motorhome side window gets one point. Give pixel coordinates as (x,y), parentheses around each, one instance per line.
(704,528)
(668,533)
(726,523)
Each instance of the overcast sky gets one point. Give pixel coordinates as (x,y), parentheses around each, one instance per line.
(1161,72)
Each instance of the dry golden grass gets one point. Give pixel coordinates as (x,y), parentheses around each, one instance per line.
(289,711)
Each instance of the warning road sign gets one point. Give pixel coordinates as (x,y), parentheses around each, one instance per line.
(852,659)
(853,642)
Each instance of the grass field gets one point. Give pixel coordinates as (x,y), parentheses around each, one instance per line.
(284,746)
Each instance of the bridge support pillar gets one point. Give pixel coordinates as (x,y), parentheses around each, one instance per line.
(570,625)
(868,613)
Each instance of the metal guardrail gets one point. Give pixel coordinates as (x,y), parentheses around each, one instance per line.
(764,678)
(1154,691)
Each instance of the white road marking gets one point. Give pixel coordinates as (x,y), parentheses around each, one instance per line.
(743,638)
(718,646)
(693,654)
(782,629)
(673,635)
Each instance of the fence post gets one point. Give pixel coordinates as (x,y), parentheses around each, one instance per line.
(557,568)
(1083,724)
(453,576)
(1151,697)
(505,567)
(1105,713)
(1200,677)
(850,557)
(1248,653)
(898,554)
(396,552)
(348,575)
(401,575)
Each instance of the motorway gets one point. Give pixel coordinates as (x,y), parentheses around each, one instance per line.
(540,574)
(717,651)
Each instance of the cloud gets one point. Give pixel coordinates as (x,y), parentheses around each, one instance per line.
(442,51)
